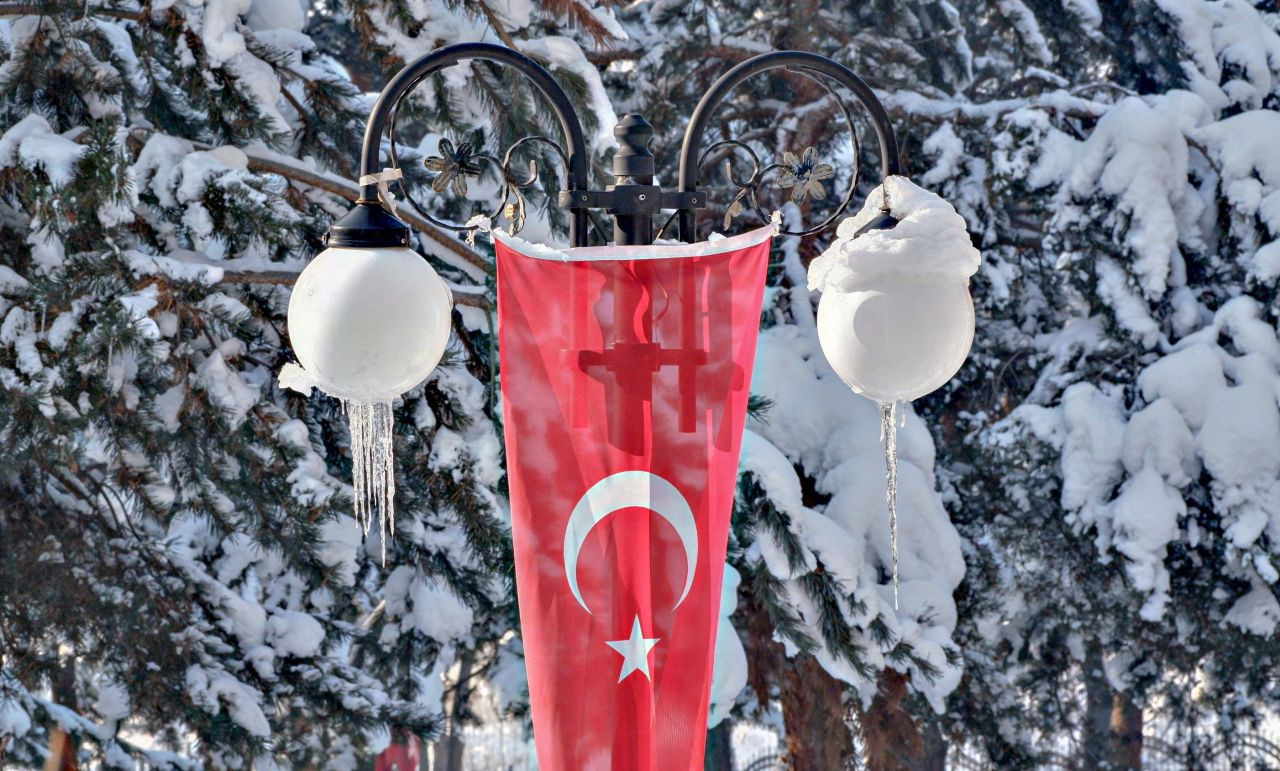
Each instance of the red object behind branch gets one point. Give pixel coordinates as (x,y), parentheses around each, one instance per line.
(625,376)
(406,756)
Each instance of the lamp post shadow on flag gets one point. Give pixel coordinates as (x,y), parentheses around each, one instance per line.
(625,375)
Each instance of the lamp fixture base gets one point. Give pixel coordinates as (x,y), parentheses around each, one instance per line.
(368,225)
(882,221)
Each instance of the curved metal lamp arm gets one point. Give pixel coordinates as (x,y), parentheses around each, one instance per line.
(690,160)
(633,200)
(419,69)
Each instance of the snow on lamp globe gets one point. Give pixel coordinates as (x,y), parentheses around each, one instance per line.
(369,319)
(895,320)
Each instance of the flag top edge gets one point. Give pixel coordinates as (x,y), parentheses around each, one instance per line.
(669,250)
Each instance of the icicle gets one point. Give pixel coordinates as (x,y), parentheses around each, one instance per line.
(373,466)
(889,412)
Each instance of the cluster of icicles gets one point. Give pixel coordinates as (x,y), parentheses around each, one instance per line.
(374,480)
(373,476)
(373,466)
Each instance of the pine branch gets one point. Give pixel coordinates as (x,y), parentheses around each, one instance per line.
(75,12)
(603,59)
(344,189)
(288,277)
(498,28)
(580,15)
(88,729)
(330,185)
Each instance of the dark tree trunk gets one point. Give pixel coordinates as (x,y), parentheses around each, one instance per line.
(813,710)
(720,747)
(934,756)
(1096,731)
(1126,733)
(891,738)
(450,748)
(818,738)
(62,745)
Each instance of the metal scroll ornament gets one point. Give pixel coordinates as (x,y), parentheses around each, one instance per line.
(455,163)
(802,174)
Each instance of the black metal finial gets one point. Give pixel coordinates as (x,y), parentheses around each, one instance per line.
(633,199)
(634,159)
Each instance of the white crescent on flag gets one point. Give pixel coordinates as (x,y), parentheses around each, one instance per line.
(624,490)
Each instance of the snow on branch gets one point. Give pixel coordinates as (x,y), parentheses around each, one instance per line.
(264,161)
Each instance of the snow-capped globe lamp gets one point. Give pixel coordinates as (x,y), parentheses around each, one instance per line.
(895,319)
(369,318)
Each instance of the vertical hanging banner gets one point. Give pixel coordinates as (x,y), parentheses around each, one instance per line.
(625,376)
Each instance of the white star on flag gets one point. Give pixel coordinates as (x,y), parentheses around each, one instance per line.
(635,652)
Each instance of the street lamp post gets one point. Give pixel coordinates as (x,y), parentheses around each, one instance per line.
(370,319)
(352,307)
(896,326)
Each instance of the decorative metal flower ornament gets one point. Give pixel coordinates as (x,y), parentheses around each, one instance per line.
(453,166)
(804,175)
(735,206)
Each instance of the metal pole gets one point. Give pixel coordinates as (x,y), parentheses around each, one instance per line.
(633,166)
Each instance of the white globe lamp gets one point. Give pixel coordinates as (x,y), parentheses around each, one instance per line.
(895,320)
(369,318)
(899,336)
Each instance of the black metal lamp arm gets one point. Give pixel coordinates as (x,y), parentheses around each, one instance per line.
(634,200)
(420,69)
(690,162)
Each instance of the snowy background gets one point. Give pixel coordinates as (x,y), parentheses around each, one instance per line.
(1090,511)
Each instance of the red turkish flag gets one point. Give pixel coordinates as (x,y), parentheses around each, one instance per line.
(625,375)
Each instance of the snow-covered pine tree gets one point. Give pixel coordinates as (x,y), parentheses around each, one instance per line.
(183,584)
(1108,460)
(811,538)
